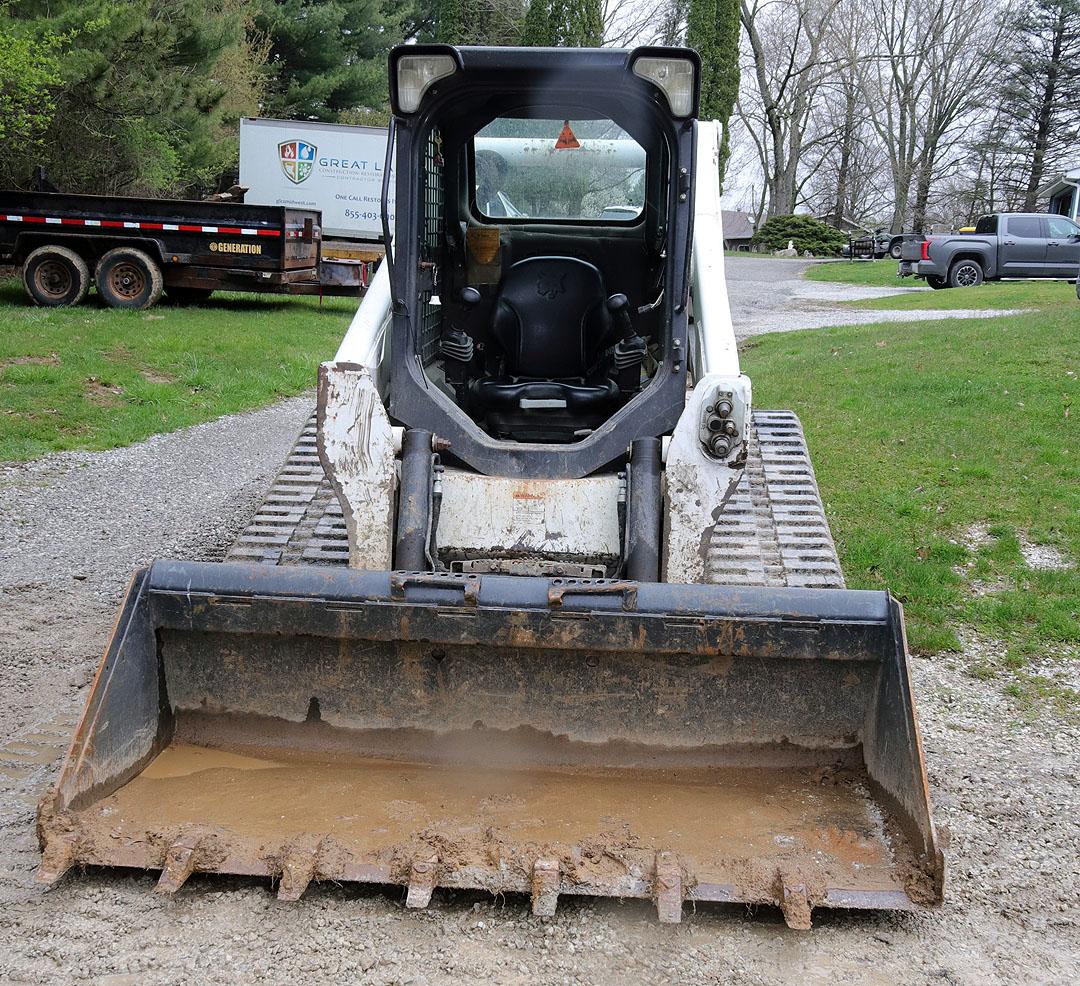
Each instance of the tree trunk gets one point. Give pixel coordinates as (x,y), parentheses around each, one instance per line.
(1046,108)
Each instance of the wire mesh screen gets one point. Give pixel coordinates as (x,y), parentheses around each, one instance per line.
(431,315)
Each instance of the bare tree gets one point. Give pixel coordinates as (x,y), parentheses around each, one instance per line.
(788,62)
(930,64)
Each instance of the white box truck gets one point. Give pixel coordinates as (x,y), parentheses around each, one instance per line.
(327,166)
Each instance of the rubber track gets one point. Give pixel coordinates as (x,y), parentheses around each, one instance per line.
(773,531)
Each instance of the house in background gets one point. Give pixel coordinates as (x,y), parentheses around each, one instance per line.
(738,228)
(1064,193)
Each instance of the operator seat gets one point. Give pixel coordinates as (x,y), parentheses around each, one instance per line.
(550,324)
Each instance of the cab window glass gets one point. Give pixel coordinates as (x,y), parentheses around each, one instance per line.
(558,169)
(1026,227)
(987,225)
(1060,226)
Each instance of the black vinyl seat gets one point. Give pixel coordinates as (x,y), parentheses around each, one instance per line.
(550,324)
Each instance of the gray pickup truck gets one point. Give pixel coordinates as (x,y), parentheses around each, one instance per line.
(1003,245)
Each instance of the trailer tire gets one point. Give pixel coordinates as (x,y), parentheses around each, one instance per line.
(128,278)
(965,273)
(896,250)
(55,276)
(188,296)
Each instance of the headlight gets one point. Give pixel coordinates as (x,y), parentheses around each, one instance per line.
(416,74)
(675,76)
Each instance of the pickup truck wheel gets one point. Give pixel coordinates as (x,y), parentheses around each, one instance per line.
(965,274)
(54,276)
(128,278)
(896,250)
(936,281)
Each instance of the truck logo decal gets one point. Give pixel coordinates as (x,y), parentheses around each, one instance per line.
(255,248)
(297,158)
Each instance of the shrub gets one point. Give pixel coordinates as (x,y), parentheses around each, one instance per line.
(806,232)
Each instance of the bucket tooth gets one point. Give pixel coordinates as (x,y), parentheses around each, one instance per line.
(56,858)
(545,887)
(795,901)
(180,863)
(421,882)
(297,871)
(669,888)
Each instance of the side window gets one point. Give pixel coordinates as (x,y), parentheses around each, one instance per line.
(1061,228)
(1026,227)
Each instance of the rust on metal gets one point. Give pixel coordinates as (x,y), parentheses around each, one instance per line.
(668,888)
(422,880)
(545,887)
(180,863)
(298,868)
(560,588)
(57,857)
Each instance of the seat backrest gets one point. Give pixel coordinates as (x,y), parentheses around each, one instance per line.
(550,317)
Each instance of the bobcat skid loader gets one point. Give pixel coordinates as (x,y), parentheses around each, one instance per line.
(539,604)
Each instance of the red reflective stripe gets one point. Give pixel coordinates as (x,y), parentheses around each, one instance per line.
(119,224)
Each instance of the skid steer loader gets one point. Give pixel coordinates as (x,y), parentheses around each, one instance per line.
(538,604)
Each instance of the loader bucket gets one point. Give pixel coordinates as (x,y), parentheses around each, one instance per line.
(542,736)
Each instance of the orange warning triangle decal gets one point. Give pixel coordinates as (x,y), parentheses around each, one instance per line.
(566,138)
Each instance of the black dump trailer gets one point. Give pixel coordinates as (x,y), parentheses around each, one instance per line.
(133,249)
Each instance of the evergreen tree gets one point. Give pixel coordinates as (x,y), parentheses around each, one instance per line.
(713,30)
(450,21)
(563,24)
(149,92)
(1041,96)
(327,56)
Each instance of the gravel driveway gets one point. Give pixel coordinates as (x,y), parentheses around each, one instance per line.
(768,294)
(73,526)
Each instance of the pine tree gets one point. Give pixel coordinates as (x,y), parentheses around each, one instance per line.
(563,24)
(450,21)
(713,30)
(327,56)
(1041,96)
(149,94)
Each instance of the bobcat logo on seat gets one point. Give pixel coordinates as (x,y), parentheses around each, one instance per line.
(550,286)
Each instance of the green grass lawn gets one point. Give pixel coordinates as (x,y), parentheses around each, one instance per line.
(873,273)
(922,433)
(94,378)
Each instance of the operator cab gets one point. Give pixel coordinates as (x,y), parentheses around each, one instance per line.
(541,247)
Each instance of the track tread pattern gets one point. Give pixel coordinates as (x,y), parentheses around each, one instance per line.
(772,532)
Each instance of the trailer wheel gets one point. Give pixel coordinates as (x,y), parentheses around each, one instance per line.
(128,278)
(188,296)
(54,276)
(896,250)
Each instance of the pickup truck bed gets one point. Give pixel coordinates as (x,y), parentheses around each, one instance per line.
(1014,245)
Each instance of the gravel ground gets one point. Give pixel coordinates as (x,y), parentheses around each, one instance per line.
(73,526)
(768,294)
